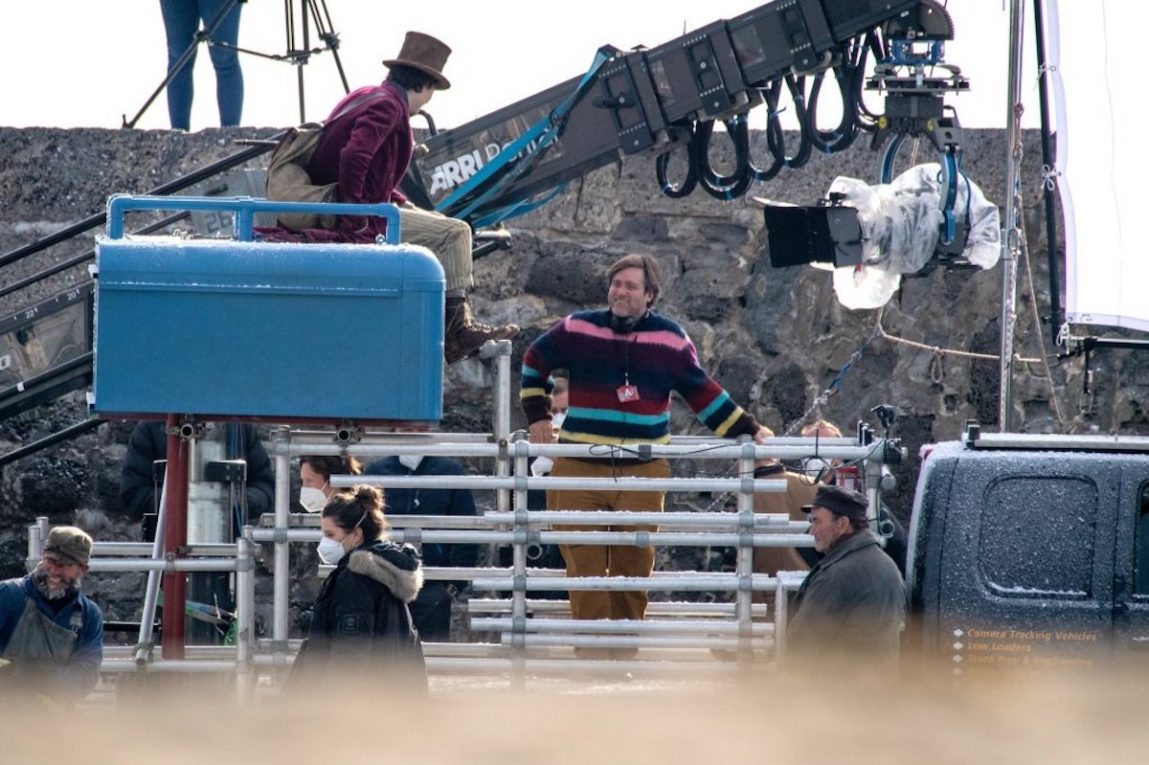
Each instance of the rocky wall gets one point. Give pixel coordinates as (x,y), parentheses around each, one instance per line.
(776,338)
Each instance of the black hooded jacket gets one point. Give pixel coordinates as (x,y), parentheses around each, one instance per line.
(361,624)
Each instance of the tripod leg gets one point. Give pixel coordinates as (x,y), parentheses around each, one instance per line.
(327,33)
(302,105)
(174,71)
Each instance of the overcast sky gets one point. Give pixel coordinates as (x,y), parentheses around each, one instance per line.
(70,63)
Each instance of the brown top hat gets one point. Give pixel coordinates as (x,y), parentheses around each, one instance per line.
(425,53)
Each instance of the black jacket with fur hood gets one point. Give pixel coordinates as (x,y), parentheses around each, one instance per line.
(361,626)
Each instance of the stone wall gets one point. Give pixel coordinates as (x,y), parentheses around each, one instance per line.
(776,338)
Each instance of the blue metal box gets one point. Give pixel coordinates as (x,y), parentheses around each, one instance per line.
(297,332)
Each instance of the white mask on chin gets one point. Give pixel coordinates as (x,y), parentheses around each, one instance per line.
(410,461)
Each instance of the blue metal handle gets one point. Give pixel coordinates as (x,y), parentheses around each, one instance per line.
(245,209)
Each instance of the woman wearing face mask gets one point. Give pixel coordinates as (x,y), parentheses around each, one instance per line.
(315,478)
(361,627)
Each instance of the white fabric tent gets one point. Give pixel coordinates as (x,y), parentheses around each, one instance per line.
(1094,53)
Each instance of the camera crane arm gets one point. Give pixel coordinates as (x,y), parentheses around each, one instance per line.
(656,100)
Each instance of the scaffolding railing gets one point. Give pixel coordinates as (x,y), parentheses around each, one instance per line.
(521,528)
(530,635)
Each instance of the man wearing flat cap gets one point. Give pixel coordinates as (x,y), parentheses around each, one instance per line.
(365,148)
(52,636)
(852,605)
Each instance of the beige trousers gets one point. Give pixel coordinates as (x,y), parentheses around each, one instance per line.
(448,238)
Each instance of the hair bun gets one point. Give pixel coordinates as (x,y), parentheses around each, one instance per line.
(369,496)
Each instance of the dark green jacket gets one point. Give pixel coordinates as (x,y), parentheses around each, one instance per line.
(850,607)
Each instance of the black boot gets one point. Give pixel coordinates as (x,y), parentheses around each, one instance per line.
(463,336)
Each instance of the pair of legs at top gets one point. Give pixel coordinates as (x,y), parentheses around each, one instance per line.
(181,23)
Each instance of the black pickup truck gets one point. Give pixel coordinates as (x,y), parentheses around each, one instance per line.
(1030,551)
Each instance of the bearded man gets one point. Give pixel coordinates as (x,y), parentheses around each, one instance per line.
(52,636)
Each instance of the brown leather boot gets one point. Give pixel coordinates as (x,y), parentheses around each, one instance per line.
(463,336)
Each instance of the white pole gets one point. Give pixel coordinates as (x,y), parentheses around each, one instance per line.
(1011,227)
(36,534)
(152,590)
(245,613)
(744,567)
(282,575)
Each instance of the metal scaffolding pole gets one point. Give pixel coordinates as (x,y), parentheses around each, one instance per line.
(245,613)
(680,631)
(175,537)
(1011,226)
(282,574)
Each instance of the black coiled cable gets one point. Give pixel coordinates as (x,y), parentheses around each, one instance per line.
(850,74)
(724,187)
(865,119)
(662,163)
(776,137)
(849,86)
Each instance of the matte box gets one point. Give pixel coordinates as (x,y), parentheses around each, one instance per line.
(298,332)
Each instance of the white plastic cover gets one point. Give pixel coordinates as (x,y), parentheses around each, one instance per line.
(900,230)
(1097,89)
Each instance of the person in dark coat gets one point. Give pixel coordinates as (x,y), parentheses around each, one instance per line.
(432,609)
(141,478)
(141,486)
(361,627)
(851,607)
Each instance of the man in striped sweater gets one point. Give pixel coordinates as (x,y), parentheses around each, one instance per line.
(622,364)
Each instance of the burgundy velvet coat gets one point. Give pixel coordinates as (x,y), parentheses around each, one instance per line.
(367,152)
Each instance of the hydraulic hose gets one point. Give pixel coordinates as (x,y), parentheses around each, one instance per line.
(775,136)
(841,137)
(661,166)
(850,75)
(865,119)
(725,187)
(777,162)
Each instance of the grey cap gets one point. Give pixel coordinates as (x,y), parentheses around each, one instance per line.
(840,501)
(68,545)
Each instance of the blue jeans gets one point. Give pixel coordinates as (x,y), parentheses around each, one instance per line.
(181,22)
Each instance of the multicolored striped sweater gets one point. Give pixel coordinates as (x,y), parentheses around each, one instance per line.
(656,358)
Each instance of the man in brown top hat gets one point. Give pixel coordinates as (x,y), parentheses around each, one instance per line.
(51,636)
(851,605)
(366,147)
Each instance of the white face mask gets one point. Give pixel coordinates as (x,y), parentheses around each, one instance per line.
(817,467)
(330,551)
(410,461)
(313,500)
(557,419)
